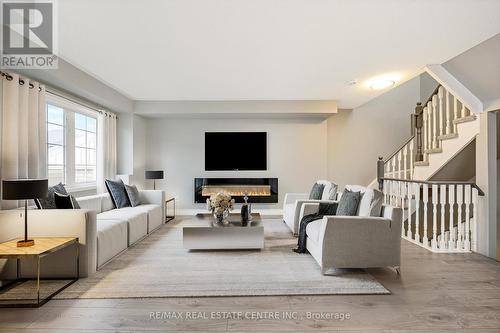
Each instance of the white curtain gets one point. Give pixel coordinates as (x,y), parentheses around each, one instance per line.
(24,151)
(106,163)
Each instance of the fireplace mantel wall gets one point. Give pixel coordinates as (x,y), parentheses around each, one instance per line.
(296,154)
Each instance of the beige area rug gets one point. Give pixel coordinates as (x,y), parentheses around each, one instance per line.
(159,266)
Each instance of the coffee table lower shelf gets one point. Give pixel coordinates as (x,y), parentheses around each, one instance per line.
(232,236)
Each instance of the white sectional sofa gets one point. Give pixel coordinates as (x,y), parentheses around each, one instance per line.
(103,232)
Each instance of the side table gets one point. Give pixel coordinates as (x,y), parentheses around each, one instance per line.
(169,217)
(42,248)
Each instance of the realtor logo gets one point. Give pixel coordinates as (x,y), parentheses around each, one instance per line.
(28,35)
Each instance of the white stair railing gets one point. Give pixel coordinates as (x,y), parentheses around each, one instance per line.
(439,216)
(439,117)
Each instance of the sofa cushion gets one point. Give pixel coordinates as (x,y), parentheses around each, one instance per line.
(371,200)
(106,202)
(116,190)
(316,191)
(313,230)
(65,201)
(136,219)
(154,212)
(329,191)
(49,202)
(111,239)
(133,195)
(348,204)
(91,202)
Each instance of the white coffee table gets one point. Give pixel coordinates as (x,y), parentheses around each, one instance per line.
(232,236)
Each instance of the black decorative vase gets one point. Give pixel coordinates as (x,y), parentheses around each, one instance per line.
(244,213)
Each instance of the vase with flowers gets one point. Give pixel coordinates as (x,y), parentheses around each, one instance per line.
(220,204)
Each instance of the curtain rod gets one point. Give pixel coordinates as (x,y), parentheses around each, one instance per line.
(9,77)
(50,91)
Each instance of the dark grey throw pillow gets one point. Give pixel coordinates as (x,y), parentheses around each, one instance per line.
(316,191)
(133,195)
(64,201)
(348,204)
(49,202)
(118,194)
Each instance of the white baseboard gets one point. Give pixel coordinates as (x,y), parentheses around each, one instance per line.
(261,211)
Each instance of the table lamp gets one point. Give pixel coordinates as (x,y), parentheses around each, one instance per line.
(154,175)
(24,189)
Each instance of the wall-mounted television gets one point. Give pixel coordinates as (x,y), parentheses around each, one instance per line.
(235,151)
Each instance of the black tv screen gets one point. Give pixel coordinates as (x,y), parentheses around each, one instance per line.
(235,151)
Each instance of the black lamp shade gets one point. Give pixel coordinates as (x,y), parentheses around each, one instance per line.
(154,174)
(24,189)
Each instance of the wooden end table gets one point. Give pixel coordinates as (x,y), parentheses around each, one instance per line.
(169,217)
(43,247)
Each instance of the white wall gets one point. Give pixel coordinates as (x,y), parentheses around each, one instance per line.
(296,153)
(139,159)
(357,137)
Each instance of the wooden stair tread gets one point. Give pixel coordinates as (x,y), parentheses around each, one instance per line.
(448,136)
(465,119)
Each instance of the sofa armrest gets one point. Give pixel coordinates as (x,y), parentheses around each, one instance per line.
(56,223)
(355,241)
(308,209)
(292,197)
(155,197)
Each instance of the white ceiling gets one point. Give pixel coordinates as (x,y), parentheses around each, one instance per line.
(265,49)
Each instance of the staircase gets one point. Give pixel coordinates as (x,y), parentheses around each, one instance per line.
(438,215)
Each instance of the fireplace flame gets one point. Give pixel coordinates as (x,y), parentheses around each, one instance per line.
(237,190)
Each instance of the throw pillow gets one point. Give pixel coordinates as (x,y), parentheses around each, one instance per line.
(117,192)
(329,191)
(64,201)
(316,191)
(133,195)
(348,204)
(371,200)
(49,202)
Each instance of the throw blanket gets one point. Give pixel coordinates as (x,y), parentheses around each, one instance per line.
(324,210)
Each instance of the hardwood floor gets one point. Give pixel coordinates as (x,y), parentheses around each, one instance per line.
(435,293)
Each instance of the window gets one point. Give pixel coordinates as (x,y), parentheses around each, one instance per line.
(71,144)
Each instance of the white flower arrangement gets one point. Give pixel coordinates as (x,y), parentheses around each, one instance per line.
(220,202)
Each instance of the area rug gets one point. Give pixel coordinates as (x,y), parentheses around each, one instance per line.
(159,266)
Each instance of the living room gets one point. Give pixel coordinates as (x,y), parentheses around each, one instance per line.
(242,166)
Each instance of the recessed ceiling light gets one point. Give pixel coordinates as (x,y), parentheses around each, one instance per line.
(381,84)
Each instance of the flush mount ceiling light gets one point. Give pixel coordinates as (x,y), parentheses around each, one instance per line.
(384,81)
(381,84)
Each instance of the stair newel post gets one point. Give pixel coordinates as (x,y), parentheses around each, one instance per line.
(409,199)
(405,162)
(425,201)
(434,123)
(425,141)
(460,201)
(455,113)
(449,128)
(442,206)
(418,128)
(412,158)
(474,220)
(380,173)
(467,217)
(451,203)
(429,126)
(435,200)
(441,110)
(402,195)
(416,189)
